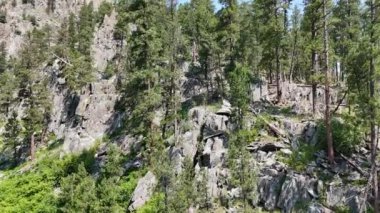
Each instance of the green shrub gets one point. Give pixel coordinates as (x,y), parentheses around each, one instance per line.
(347,134)
(299,159)
(104,9)
(155,204)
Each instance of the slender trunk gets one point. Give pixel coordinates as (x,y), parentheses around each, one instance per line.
(32,147)
(314,64)
(292,57)
(43,135)
(373,111)
(330,148)
(277,52)
(15,154)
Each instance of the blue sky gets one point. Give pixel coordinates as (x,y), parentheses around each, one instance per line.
(216,2)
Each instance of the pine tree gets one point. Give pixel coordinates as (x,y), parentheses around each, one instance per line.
(228,28)
(311,24)
(86,26)
(109,188)
(8,85)
(373,107)
(37,114)
(78,192)
(330,148)
(345,32)
(144,66)
(242,167)
(182,194)
(3,58)
(12,135)
(270,36)
(239,80)
(79,72)
(203,198)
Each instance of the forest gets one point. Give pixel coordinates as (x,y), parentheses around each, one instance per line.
(161,106)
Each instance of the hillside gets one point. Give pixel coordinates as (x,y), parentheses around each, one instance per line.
(154,106)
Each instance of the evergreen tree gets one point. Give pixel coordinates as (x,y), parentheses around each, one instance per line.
(182,194)
(37,114)
(79,72)
(203,198)
(86,26)
(270,37)
(242,167)
(12,136)
(8,85)
(228,28)
(311,25)
(329,139)
(199,24)
(345,31)
(3,58)
(109,189)
(239,80)
(143,88)
(78,192)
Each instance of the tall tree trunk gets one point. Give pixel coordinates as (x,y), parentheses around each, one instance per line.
(32,146)
(330,148)
(314,63)
(277,52)
(292,57)
(373,110)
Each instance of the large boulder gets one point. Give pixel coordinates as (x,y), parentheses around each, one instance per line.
(143,192)
(296,188)
(269,188)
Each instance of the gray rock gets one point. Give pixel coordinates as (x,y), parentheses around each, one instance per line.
(82,119)
(269,188)
(296,188)
(226,109)
(354,176)
(318,208)
(286,151)
(143,192)
(343,195)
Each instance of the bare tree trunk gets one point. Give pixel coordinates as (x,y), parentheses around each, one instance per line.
(32,147)
(373,111)
(330,148)
(277,59)
(292,57)
(314,63)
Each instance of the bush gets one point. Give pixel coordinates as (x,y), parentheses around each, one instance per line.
(299,159)
(347,134)
(104,9)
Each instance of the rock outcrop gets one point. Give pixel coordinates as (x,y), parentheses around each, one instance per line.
(143,191)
